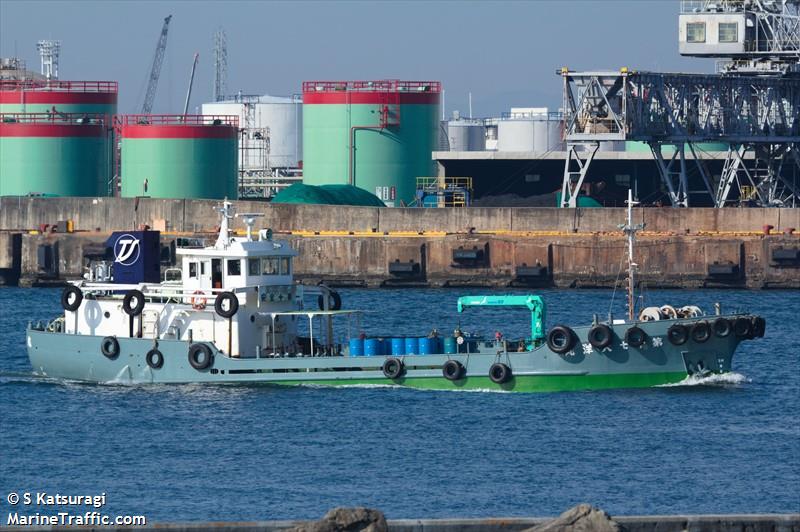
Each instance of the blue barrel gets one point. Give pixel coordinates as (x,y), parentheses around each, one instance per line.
(384,347)
(449,345)
(427,346)
(372,347)
(412,346)
(398,346)
(356,347)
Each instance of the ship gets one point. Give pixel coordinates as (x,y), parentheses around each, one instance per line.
(233,313)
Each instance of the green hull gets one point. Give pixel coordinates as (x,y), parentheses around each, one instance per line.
(525,383)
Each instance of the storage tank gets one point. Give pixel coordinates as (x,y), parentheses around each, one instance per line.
(40,96)
(177,156)
(56,155)
(377,135)
(283,116)
(547,133)
(466,135)
(515,134)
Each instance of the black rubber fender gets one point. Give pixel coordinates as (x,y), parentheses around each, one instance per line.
(635,336)
(127,303)
(233,304)
(500,373)
(722,327)
(453,370)
(69,292)
(200,356)
(393,368)
(154,358)
(334,301)
(600,336)
(109,346)
(759,327)
(742,327)
(701,332)
(561,339)
(678,334)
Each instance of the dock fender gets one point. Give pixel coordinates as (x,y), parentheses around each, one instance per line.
(334,301)
(759,327)
(722,327)
(742,327)
(701,332)
(393,368)
(561,339)
(600,336)
(499,373)
(635,336)
(200,356)
(71,298)
(154,358)
(453,370)
(109,346)
(677,334)
(233,304)
(133,303)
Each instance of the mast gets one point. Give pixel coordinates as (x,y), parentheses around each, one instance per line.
(630,232)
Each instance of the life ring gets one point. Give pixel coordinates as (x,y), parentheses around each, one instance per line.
(722,327)
(499,373)
(742,327)
(70,292)
(561,339)
(233,304)
(198,300)
(334,301)
(453,370)
(200,356)
(635,336)
(109,346)
(678,334)
(393,368)
(154,358)
(128,306)
(600,336)
(759,327)
(701,332)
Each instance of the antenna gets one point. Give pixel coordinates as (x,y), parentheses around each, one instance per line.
(49,52)
(220,64)
(630,231)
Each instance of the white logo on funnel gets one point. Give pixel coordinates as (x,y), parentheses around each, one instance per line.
(126,250)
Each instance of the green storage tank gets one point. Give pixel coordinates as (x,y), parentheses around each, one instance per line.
(54,155)
(376,135)
(177,156)
(39,96)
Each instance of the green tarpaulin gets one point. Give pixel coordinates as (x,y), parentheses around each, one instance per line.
(327,195)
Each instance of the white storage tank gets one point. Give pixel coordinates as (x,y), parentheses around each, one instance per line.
(283,116)
(515,134)
(466,135)
(547,133)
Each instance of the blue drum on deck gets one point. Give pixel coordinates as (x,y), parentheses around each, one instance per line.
(412,346)
(449,345)
(427,346)
(398,346)
(372,347)
(356,347)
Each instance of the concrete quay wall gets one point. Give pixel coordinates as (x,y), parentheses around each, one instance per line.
(651,523)
(184,215)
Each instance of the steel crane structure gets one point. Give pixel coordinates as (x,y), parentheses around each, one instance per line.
(155,70)
(220,64)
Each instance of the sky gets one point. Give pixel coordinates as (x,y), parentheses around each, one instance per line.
(505,53)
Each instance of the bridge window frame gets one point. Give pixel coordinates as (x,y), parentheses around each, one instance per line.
(728,32)
(695,32)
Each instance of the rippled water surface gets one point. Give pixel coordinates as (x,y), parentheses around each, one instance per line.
(177,453)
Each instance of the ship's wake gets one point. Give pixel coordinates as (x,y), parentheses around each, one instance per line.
(730,379)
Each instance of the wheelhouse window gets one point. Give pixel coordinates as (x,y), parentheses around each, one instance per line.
(286,266)
(270,266)
(728,32)
(696,32)
(234,267)
(253,266)
(193,269)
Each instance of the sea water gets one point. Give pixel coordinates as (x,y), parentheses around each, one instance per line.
(720,444)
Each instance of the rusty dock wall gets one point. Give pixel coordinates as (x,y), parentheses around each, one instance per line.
(363,246)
